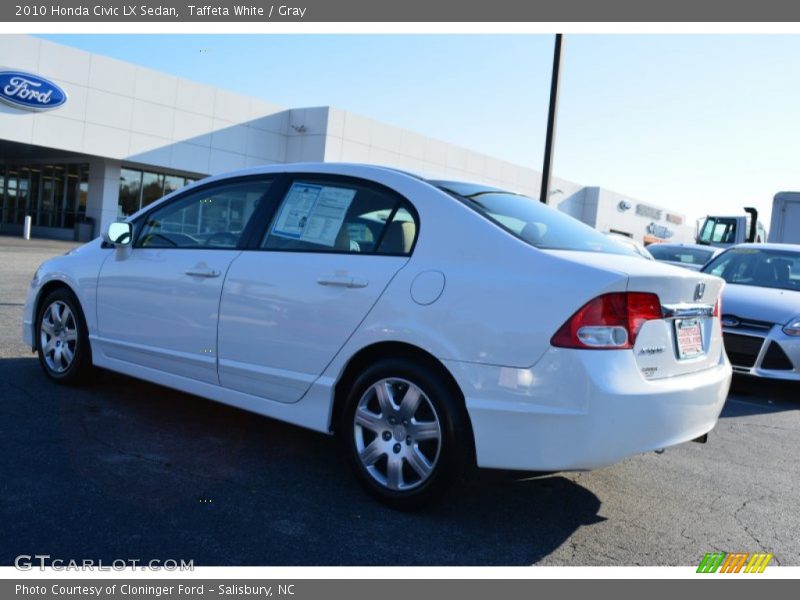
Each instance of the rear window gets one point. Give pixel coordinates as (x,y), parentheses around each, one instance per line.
(531,221)
(692,256)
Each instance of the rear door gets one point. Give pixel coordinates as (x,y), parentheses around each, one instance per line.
(328,251)
(157,302)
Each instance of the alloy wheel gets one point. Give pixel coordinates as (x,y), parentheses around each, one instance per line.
(397,434)
(58,336)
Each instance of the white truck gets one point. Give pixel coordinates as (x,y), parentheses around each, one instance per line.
(785,225)
(723,232)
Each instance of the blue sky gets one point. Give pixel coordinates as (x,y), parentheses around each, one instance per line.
(693,123)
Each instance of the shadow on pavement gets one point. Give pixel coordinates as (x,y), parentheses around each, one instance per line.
(126,469)
(752,396)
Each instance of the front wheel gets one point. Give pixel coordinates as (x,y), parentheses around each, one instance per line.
(406,432)
(63,341)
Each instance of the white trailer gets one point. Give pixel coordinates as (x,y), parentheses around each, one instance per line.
(785,225)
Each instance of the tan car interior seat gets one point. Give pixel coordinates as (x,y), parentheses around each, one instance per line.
(399,237)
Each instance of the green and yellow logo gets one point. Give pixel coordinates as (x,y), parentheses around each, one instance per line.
(734,562)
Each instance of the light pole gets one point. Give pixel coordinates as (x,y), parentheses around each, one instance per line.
(551,121)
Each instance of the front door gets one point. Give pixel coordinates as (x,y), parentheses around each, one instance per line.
(158,301)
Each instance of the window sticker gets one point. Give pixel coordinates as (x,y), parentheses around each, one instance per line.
(313,213)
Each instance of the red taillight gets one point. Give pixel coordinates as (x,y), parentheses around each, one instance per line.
(610,321)
(718,308)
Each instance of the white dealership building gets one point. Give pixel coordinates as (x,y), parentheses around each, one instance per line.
(126,135)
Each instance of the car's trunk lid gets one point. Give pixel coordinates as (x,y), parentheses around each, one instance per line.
(688,338)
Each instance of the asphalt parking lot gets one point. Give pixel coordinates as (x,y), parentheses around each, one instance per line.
(125,469)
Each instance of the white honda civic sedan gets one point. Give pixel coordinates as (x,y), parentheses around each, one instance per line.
(432,325)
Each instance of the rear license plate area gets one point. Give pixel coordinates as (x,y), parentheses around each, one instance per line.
(688,338)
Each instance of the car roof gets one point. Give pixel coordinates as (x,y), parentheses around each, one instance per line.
(683,245)
(770,246)
(320,167)
(367,171)
(347,169)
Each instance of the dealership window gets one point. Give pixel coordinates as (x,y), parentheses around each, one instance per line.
(130,191)
(172,183)
(54,195)
(152,187)
(139,188)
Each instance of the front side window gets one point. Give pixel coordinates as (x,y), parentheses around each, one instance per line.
(718,230)
(211,217)
(344,217)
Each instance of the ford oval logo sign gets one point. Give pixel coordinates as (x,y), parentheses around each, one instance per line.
(730,321)
(29,91)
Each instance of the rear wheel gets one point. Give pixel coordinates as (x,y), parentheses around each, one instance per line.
(62,338)
(405,432)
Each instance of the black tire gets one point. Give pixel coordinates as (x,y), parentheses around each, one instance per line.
(440,402)
(69,334)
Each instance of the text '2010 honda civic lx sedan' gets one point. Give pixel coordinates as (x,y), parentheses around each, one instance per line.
(433,325)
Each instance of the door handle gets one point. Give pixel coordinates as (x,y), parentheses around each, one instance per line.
(345,282)
(202,273)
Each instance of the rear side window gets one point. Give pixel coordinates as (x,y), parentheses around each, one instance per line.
(539,225)
(343,217)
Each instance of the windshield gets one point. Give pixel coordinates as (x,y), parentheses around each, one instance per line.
(531,221)
(681,254)
(719,230)
(760,267)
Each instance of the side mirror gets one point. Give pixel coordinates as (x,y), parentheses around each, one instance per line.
(119,233)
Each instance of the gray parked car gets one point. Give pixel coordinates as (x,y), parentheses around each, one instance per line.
(690,256)
(761,308)
(631,244)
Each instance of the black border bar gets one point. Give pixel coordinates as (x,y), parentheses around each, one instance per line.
(419,11)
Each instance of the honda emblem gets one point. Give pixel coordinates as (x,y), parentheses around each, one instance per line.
(699,290)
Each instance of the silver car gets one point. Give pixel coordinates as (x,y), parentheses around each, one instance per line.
(631,244)
(689,256)
(761,308)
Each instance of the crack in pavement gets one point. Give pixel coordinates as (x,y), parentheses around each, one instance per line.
(765,426)
(746,528)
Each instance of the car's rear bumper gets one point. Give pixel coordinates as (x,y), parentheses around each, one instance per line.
(578,409)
